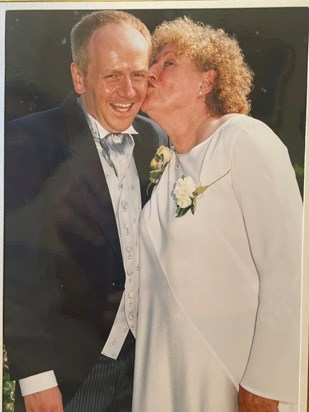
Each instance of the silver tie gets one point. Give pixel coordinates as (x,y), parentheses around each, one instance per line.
(117,150)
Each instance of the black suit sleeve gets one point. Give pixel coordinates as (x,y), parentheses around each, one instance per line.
(30,294)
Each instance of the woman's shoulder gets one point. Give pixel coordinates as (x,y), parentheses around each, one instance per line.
(248,131)
(244,122)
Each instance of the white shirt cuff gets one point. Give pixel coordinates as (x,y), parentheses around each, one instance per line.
(38,383)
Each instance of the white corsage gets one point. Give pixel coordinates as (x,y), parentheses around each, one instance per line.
(186,194)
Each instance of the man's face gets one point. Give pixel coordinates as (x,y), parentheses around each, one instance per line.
(115,85)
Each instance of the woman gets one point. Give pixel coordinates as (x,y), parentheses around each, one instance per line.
(218,326)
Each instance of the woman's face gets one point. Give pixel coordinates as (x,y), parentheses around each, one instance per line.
(174,84)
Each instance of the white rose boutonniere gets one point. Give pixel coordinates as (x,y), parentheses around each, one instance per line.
(158,164)
(186,194)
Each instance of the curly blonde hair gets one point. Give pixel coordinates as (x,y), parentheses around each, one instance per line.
(211,48)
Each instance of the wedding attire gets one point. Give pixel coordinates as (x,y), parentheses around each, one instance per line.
(64,273)
(219,292)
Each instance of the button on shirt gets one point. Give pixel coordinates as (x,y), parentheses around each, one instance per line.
(126,200)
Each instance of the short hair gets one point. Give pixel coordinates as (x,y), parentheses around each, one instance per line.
(211,48)
(83,30)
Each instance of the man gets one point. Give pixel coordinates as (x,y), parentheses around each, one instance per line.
(73,193)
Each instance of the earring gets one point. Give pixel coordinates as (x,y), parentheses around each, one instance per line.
(200,93)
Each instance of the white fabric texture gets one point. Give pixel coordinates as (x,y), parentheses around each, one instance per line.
(220,289)
(38,383)
(118,150)
(126,200)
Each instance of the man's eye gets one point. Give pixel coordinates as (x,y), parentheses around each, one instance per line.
(112,77)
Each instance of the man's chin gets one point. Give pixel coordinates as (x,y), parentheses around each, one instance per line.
(121,123)
(121,126)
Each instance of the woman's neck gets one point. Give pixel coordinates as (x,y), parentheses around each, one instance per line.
(184,139)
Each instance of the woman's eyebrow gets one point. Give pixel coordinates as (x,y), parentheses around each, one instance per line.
(160,56)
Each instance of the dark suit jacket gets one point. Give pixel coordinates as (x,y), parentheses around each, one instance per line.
(64,273)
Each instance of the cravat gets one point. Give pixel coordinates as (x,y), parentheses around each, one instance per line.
(117,150)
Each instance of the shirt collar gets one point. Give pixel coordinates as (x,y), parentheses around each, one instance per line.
(97,130)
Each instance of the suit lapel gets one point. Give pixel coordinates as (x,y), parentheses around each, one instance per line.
(144,150)
(87,169)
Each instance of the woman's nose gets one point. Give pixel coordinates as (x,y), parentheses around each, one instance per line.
(152,73)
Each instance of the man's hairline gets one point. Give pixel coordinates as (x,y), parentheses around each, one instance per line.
(116,23)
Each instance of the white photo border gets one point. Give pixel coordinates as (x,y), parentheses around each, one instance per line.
(191,4)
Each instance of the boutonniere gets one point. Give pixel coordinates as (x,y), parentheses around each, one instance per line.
(186,194)
(158,164)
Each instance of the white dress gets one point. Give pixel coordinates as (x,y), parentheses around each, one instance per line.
(219,300)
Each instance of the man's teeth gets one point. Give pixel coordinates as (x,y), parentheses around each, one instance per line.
(121,106)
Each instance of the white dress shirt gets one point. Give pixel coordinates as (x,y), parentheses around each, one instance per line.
(126,200)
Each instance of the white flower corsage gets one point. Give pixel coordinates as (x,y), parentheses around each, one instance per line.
(186,194)
(158,164)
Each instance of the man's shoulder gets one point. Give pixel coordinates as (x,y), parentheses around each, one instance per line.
(44,129)
(144,125)
(143,121)
(49,119)
(38,120)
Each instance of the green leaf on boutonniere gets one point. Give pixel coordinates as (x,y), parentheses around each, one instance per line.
(182,211)
(200,190)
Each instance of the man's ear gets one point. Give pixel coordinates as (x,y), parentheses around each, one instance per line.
(77,78)
(208,81)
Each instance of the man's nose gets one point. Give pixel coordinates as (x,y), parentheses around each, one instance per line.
(127,88)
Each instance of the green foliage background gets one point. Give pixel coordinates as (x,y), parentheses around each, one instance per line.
(8,386)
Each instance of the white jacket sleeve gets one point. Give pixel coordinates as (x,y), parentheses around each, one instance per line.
(268,195)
